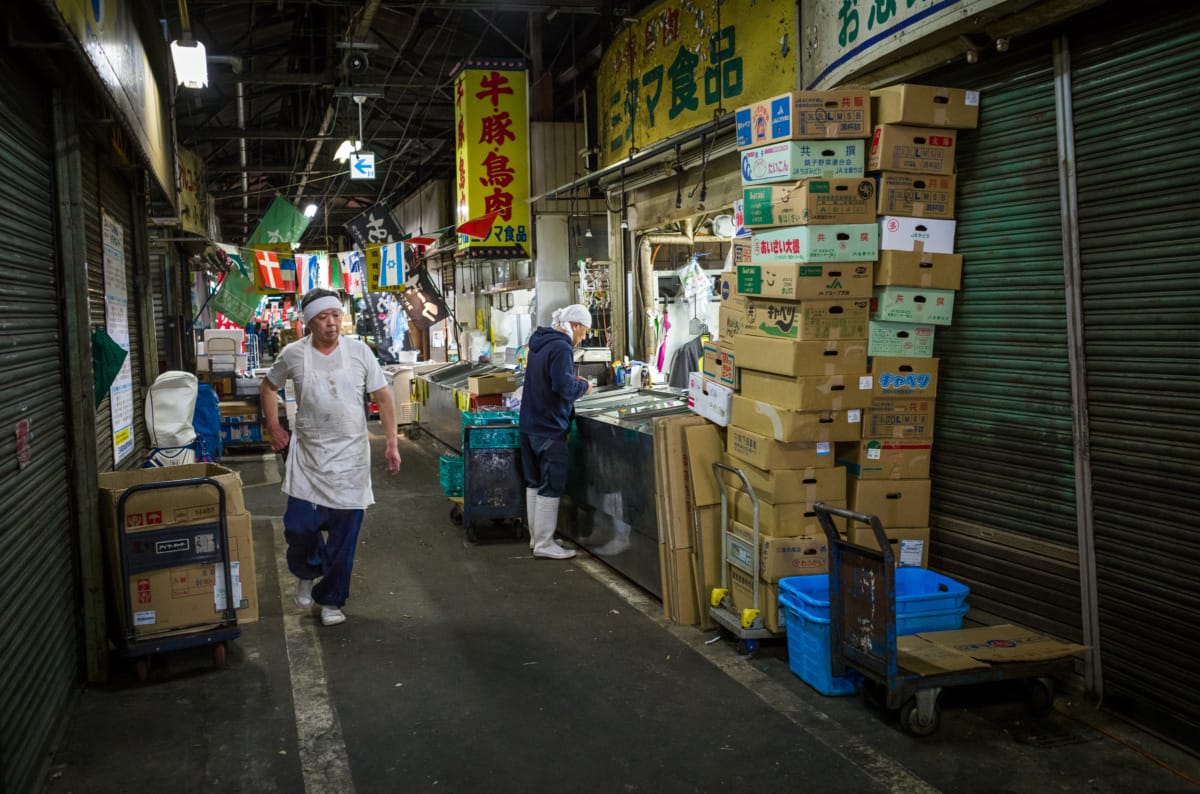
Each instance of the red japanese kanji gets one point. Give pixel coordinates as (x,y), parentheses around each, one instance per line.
(494,84)
(499,173)
(496,129)
(500,202)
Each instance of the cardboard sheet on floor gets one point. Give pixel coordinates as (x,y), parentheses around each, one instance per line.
(1004,643)
(918,655)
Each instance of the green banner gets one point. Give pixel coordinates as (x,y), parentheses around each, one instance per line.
(236,298)
(283,223)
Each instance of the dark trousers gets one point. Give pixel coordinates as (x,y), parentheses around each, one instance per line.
(329,558)
(544,464)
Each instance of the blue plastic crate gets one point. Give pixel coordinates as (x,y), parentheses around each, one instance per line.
(450,474)
(490,417)
(494,438)
(918,591)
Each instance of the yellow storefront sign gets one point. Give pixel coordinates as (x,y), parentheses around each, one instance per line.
(686,61)
(491,133)
(193,213)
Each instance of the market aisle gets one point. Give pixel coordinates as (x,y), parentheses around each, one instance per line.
(476,668)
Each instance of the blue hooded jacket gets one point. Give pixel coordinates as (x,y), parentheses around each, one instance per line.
(550,389)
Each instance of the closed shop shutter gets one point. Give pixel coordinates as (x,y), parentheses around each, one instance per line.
(1138,207)
(1003,472)
(39,639)
(158,297)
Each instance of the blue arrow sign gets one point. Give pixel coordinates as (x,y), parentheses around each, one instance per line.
(362,165)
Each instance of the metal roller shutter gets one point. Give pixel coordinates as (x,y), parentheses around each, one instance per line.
(1138,206)
(39,641)
(1003,473)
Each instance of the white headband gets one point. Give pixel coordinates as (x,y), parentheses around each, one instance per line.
(575,313)
(321,304)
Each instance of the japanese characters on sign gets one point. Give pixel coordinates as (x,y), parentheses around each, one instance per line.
(686,59)
(491,134)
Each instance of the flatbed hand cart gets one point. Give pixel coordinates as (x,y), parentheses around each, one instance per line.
(746,624)
(863,619)
(155,549)
(493,486)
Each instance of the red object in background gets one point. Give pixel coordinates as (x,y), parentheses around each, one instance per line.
(486,401)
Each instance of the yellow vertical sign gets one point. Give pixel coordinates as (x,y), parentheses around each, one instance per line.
(491,134)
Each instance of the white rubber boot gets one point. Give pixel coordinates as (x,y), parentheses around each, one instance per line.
(545,521)
(530,509)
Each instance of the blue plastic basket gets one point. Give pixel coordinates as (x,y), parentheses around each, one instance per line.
(918,591)
(490,417)
(494,438)
(450,474)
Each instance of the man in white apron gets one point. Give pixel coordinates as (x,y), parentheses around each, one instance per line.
(328,473)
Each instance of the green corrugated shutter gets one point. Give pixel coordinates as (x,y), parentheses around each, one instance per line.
(1003,472)
(1136,89)
(39,639)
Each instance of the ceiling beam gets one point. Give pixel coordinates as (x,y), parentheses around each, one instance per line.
(227,133)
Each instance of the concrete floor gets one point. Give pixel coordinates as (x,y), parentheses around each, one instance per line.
(476,668)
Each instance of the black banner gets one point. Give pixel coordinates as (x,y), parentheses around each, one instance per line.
(422,302)
(373,227)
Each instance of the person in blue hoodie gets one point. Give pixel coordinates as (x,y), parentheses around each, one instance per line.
(547,404)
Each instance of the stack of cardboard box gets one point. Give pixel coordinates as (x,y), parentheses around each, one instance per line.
(223,366)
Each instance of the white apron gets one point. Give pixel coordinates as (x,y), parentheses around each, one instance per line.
(329,462)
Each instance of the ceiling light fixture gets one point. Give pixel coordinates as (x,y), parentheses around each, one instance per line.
(188,55)
(310,210)
(347,148)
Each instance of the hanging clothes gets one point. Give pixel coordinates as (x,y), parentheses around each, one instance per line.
(685,361)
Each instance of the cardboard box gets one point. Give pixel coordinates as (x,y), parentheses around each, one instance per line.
(791,160)
(709,398)
(784,424)
(765,452)
(897,233)
(886,459)
(835,242)
(789,485)
(492,383)
(1003,643)
(899,417)
(741,593)
(905,377)
(704,447)
(809,393)
(910,546)
(811,201)
(730,322)
(919,269)
(807,320)
(778,557)
(933,106)
(900,340)
(898,503)
(796,357)
(799,115)
(729,285)
(224,340)
(916,150)
(800,281)
(720,364)
(913,305)
(221,363)
(241,430)
(739,252)
(784,519)
(915,195)
(169,506)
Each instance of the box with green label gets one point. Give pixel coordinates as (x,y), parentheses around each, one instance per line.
(798,281)
(835,242)
(784,319)
(913,305)
(907,340)
(792,160)
(811,201)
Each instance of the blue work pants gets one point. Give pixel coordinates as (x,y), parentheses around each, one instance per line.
(329,558)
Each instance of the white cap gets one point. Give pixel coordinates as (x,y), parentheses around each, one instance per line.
(575,313)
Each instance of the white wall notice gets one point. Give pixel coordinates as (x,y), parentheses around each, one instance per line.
(116,316)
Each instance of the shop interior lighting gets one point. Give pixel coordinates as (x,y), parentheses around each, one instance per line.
(310,210)
(588,233)
(347,148)
(191,63)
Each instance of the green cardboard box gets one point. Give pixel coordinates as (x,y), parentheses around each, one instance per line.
(839,242)
(907,340)
(799,281)
(811,201)
(792,160)
(913,305)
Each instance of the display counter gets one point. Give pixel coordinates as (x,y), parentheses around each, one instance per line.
(609,504)
(440,414)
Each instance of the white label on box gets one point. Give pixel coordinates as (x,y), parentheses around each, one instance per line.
(972,99)
(147,618)
(866,383)
(854,416)
(911,552)
(219,587)
(823,448)
(874,453)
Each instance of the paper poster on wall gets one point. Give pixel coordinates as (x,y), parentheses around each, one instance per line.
(116,318)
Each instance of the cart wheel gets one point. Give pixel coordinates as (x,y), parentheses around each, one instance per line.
(413,432)
(456,514)
(874,694)
(747,647)
(141,667)
(910,719)
(219,656)
(1041,696)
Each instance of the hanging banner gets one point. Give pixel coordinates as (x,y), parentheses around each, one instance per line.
(391,265)
(351,264)
(309,272)
(491,123)
(116,319)
(193,204)
(236,298)
(373,259)
(283,223)
(373,227)
(422,302)
(686,60)
(273,266)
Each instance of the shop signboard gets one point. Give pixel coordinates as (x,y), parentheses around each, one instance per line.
(685,60)
(116,320)
(491,148)
(193,206)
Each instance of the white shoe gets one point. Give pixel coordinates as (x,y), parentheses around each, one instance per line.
(530,509)
(303,597)
(331,616)
(545,521)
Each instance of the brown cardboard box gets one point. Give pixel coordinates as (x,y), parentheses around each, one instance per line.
(898,503)
(709,398)
(810,201)
(767,453)
(898,417)
(779,557)
(798,281)
(785,519)
(915,150)
(720,364)
(808,320)
(169,506)
(728,287)
(741,592)
(492,383)
(730,322)
(919,269)
(905,377)
(794,357)
(933,106)
(789,485)
(910,546)
(784,424)
(809,393)
(886,459)
(804,115)
(916,195)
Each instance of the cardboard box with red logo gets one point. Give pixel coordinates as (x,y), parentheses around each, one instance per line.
(916,150)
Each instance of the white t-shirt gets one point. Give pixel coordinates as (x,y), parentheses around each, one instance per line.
(290,364)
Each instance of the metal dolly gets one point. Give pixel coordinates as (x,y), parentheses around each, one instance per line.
(155,549)
(746,625)
(862,611)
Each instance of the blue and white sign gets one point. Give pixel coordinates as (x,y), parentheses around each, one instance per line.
(362,165)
